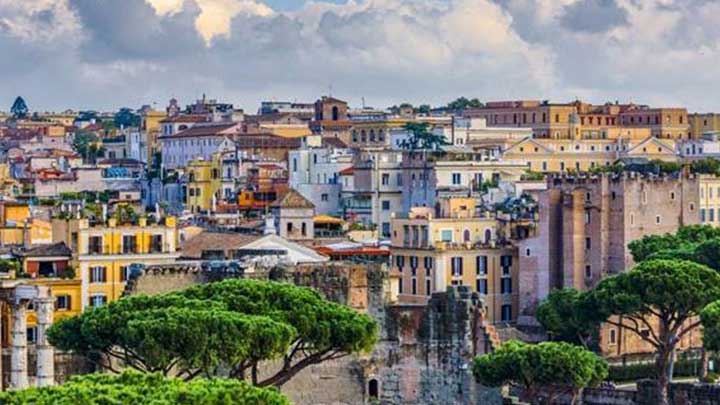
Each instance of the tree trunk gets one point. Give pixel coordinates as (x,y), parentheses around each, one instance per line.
(703,363)
(662,366)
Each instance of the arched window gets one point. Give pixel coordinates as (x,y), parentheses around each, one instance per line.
(373,389)
(466,235)
(335,113)
(488,236)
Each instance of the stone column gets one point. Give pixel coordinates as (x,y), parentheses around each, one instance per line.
(45,352)
(18,356)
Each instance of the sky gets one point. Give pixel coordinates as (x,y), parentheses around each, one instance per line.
(106,54)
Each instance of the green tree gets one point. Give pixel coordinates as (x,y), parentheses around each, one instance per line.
(125,117)
(705,166)
(423,109)
(88,145)
(561,315)
(222,328)
(421,138)
(710,318)
(659,301)
(132,387)
(463,103)
(551,368)
(19,109)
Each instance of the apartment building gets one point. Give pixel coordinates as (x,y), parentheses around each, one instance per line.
(455,247)
(103,253)
(701,124)
(578,120)
(200,141)
(377,190)
(428,176)
(314,172)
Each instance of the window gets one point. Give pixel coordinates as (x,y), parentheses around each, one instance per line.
(31,334)
(400,261)
(414,286)
(506,313)
(98,274)
(587,217)
(457,266)
(289,227)
(294,165)
(385,179)
(588,271)
(428,262)
(481,286)
(398,179)
(129,244)
(446,235)
(386,229)
(95,245)
(527,252)
(506,285)
(672,195)
(386,205)
(156,244)
(303,229)
(456,178)
(324,197)
(428,286)
(613,337)
(481,265)
(98,300)
(657,218)
(712,214)
(63,303)
(124,273)
(587,244)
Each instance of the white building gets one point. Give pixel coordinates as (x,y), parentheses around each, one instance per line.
(200,141)
(377,189)
(315,173)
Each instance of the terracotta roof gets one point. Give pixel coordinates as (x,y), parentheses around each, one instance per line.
(334,142)
(292,199)
(347,171)
(185,118)
(46,250)
(193,247)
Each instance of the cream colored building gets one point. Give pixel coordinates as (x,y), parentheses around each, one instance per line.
(456,248)
(561,155)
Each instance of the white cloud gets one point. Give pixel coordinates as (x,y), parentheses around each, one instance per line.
(122,52)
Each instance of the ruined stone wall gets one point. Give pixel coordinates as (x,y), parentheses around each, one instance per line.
(423,355)
(680,393)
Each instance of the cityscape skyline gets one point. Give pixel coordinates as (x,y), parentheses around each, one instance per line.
(83,54)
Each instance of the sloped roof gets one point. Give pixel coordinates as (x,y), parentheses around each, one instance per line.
(185,118)
(206,130)
(292,199)
(193,248)
(47,250)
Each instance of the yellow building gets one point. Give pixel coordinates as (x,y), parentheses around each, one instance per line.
(559,155)
(456,248)
(204,184)
(103,254)
(703,124)
(709,196)
(17,227)
(150,125)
